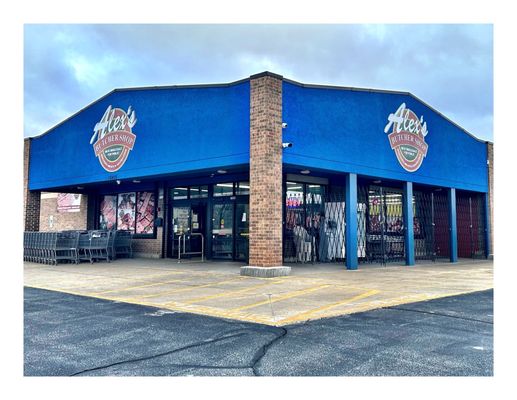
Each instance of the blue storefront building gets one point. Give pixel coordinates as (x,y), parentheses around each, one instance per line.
(268,171)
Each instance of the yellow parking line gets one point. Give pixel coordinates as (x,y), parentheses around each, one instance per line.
(306,314)
(139,287)
(187,289)
(280,298)
(231,293)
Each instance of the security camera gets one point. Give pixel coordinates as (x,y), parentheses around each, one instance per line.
(284,125)
(286,145)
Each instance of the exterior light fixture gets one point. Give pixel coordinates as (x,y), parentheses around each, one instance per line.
(305,172)
(118,182)
(377,181)
(80,187)
(136,181)
(221,171)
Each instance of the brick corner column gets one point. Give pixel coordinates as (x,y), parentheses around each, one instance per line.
(265,239)
(31,199)
(490,225)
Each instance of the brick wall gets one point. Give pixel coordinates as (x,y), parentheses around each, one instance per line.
(53,220)
(31,200)
(265,245)
(490,151)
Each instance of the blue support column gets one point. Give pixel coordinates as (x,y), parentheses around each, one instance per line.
(351,221)
(487,226)
(453,240)
(409,234)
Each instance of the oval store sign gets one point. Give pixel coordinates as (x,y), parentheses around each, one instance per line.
(113,137)
(407,139)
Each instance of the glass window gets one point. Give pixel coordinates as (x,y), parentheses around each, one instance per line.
(179,193)
(223,189)
(126,211)
(294,205)
(294,196)
(222,230)
(242,188)
(108,212)
(197,192)
(314,194)
(145,213)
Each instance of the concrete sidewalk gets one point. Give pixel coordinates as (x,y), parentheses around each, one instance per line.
(217,289)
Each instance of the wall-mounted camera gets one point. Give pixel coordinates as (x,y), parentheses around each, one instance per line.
(286,145)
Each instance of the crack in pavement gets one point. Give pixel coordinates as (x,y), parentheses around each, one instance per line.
(204,342)
(264,349)
(441,315)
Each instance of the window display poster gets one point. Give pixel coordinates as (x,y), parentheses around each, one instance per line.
(145,213)
(126,211)
(68,202)
(181,216)
(108,212)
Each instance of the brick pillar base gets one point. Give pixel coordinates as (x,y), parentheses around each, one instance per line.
(265,240)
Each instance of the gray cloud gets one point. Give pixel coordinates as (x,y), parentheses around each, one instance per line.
(448,66)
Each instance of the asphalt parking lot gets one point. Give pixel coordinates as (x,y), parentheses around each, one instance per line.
(216,289)
(70,335)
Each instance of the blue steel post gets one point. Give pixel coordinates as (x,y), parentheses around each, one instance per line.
(409,234)
(487,227)
(351,221)
(451,196)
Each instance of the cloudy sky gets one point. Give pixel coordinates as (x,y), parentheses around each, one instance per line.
(66,67)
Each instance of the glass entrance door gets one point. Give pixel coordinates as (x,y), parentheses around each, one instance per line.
(242,231)
(187,222)
(222,230)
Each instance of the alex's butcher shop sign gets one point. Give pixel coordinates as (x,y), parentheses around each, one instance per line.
(407,139)
(113,137)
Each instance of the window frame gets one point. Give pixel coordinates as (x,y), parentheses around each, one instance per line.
(137,193)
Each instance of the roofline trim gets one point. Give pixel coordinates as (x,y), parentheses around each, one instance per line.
(349,88)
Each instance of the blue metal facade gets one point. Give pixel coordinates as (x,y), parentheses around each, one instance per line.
(343,130)
(177,129)
(190,128)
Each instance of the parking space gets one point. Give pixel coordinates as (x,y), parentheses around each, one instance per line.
(217,289)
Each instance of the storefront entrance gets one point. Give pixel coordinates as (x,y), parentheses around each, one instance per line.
(213,220)
(230,229)
(188,228)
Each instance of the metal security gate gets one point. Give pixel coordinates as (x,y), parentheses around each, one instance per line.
(314,229)
(470,219)
(380,224)
(431,224)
